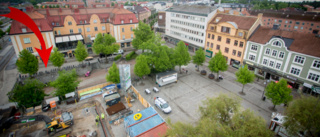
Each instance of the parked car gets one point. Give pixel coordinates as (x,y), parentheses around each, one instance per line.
(147,91)
(120,51)
(162,104)
(155,89)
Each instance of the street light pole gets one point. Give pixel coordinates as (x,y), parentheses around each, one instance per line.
(265,85)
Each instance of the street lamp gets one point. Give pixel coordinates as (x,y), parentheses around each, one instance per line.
(265,85)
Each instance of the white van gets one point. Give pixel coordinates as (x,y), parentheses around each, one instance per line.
(165,78)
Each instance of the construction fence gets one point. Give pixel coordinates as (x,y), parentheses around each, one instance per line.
(144,102)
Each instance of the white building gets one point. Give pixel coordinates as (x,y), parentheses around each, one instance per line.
(189,24)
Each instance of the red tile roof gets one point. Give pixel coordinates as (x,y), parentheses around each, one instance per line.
(243,22)
(43,24)
(302,43)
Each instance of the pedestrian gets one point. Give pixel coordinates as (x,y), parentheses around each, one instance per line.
(102,116)
(97,117)
(187,71)
(97,122)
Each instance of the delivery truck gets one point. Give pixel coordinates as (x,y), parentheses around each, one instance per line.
(167,77)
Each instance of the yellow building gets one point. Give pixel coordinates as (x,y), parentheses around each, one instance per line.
(229,33)
(63,28)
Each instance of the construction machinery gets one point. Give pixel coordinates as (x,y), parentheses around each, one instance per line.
(61,122)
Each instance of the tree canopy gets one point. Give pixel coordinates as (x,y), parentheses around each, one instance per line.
(28,95)
(221,116)
(244,76)
(57,58)
(142,34)
(181,55)
(27,63)
(66,82)
(80,52)
(105,45)
(113,74)
(141,67)
(279,92)
(218,63)
(199,57)
(303,115)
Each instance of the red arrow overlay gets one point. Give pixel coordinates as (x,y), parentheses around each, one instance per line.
(23,18)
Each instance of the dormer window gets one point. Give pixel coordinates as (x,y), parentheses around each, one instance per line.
(103,20)
(52,23)
(39,28)
(122,21)
(57,24)
(217,20)
(130,21)
(85,22)
(24,30)
(80,22)
(94,21)
(276,43)
(69,23)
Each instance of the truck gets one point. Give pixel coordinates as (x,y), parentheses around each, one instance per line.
(110,95)
(167,77)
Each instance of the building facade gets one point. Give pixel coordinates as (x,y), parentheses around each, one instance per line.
(229,34)
(305,22)
(189,24)
(160,26)
(141,13)
(62,28)
(273,54)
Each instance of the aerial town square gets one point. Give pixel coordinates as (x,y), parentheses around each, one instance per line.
(176,68)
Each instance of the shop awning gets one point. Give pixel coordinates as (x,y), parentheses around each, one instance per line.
(65,39)
(73,38)
(92,38)
(79,37)
(58,39)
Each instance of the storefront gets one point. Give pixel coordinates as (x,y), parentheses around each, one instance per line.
(66,43)
(234,63)
(209,53)
(174,41)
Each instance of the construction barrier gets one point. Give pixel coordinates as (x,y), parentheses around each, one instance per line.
(87,90)
(144,102)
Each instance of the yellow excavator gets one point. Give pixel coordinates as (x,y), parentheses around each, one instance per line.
(59,123)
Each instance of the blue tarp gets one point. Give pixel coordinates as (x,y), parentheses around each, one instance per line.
(146,124)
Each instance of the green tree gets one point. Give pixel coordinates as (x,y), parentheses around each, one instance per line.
(27,63)
(218,63)
(57,58)
(126,4)
(278,92)
(142,34)
(1,23)
(28,95)
(2,33)
(80,52)
(8,30)
(105,45)
(112,3)
(221,117)
(162,62)
(244,76)
(199,57)
(303,115)
(66,82)
(141,67)
(113,74)
(181,55)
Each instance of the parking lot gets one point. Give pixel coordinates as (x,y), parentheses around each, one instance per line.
(187,94)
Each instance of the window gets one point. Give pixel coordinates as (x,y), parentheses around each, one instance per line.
(130,21)
(234,52)
(236,43)
(311,24)
(295,27)
(95,28)
(252,57)
(302,23)
(94,21)
(30,49)
(228,41)
(271,63)
(290,22)
(131,29)
(103,28)
(268,51)
(24,30)
(59,32)
(274,53)
(301,28)
(211,45)
(212,36)
(316,64)
(209,35)
(103,20)
(281,55)
(122,21)
(131,36)
(219,38)
(265,62)
(88,29)
(123,37)
(225,29)
(297,23)
(280,21)
(285,25)
(276,43)
(240,34)
(254,47)
(26,40)
(89,36)
(278,66)
(226,50)
(208,43)
(275,20)
(299,59)
(313,77)
(239,54)
(160,16)
(212,28)
(69,23)
(71,31)
(241,44)
(80,30)
(218,47)
(122,29)
(55,32)
(295,71)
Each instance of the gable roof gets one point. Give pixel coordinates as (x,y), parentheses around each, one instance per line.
(243,22)
(294,15)
(303,43)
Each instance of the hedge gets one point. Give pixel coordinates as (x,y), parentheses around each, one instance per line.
(117,57)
